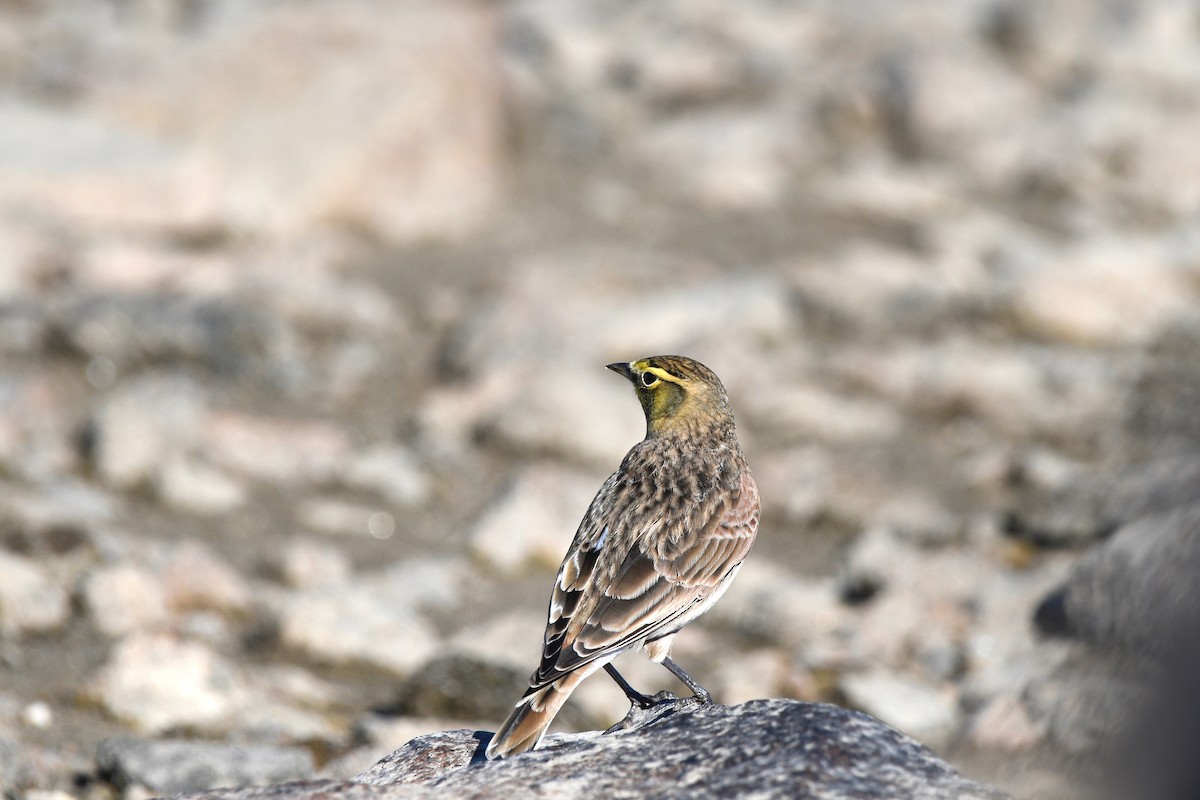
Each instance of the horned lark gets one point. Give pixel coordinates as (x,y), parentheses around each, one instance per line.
(660,543)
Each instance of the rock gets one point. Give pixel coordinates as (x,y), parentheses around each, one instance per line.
(1004,724)
(777,604)
(156,682)
(30,601)
(142,422)
(124,598)
(598,316)
(307,564)
(1019,390)
(581,420)
(396,109)
(534,519)
(765,747)
(920,519)
(168,766)
(195,487)
(878,291)
(1133,591)
(1103,293)
(340,518)
(195,578)
(1158,416)
(916,708)
(276,450)
(457,686)
(392,472)
(510,639)
(808,413)
(370,620)
(134,266)
(72,165)
(726,159)
(230,338)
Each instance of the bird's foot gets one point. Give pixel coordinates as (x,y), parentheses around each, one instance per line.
(663,704)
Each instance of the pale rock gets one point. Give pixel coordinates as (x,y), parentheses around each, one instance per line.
(725,159)
(759,673)
(771,601)
(273,720)
(141,423)
(340,518)
(959,95)
(276,450)
(806,413)
(36,439)
(156,682)
(175,766)
(97,175)
(128,265)
(1110,291)
(868,287)
(125,598)
(26,254)
(361,622)
(512,639)
(1018,389)
(390,471)
(573,308)
(582,419)
(193,486)
(927,713)
(878,188)
(30,600)
(533,520)
(920,519)
(395,110)
(1004,724)
(194,578)
(307,564)
(797,483)
(429,583)
(63,503)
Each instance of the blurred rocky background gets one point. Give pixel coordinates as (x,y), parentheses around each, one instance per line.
(304,308)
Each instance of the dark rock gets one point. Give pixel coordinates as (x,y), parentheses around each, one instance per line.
(232,339)
(1092,507)
(459,687)
(1134,591)
(192,766)
(768,748)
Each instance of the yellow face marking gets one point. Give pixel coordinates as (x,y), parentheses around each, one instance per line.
(643,368)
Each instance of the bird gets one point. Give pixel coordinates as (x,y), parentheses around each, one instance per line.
(657,547)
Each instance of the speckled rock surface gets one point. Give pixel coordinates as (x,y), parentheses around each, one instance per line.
(764,748)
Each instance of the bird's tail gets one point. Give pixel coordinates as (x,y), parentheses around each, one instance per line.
(528,722)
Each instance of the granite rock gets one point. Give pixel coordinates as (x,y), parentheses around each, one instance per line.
(760,748)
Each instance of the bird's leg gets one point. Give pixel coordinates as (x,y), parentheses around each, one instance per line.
(635,697)
(698,691)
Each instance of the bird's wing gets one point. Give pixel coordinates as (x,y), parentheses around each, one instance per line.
(652,585)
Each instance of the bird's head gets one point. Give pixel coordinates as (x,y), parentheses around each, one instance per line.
(677,393)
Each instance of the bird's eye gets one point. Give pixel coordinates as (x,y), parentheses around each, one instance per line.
(649,379)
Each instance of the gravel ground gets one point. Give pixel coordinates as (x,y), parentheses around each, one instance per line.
(301,362)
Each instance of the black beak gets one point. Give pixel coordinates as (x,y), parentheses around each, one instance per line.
(622,368)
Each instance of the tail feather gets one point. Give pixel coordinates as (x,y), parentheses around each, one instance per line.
(531,717)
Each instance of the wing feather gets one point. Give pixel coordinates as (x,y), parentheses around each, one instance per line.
(654,587)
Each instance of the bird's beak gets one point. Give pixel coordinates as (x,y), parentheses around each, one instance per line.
(623,368)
